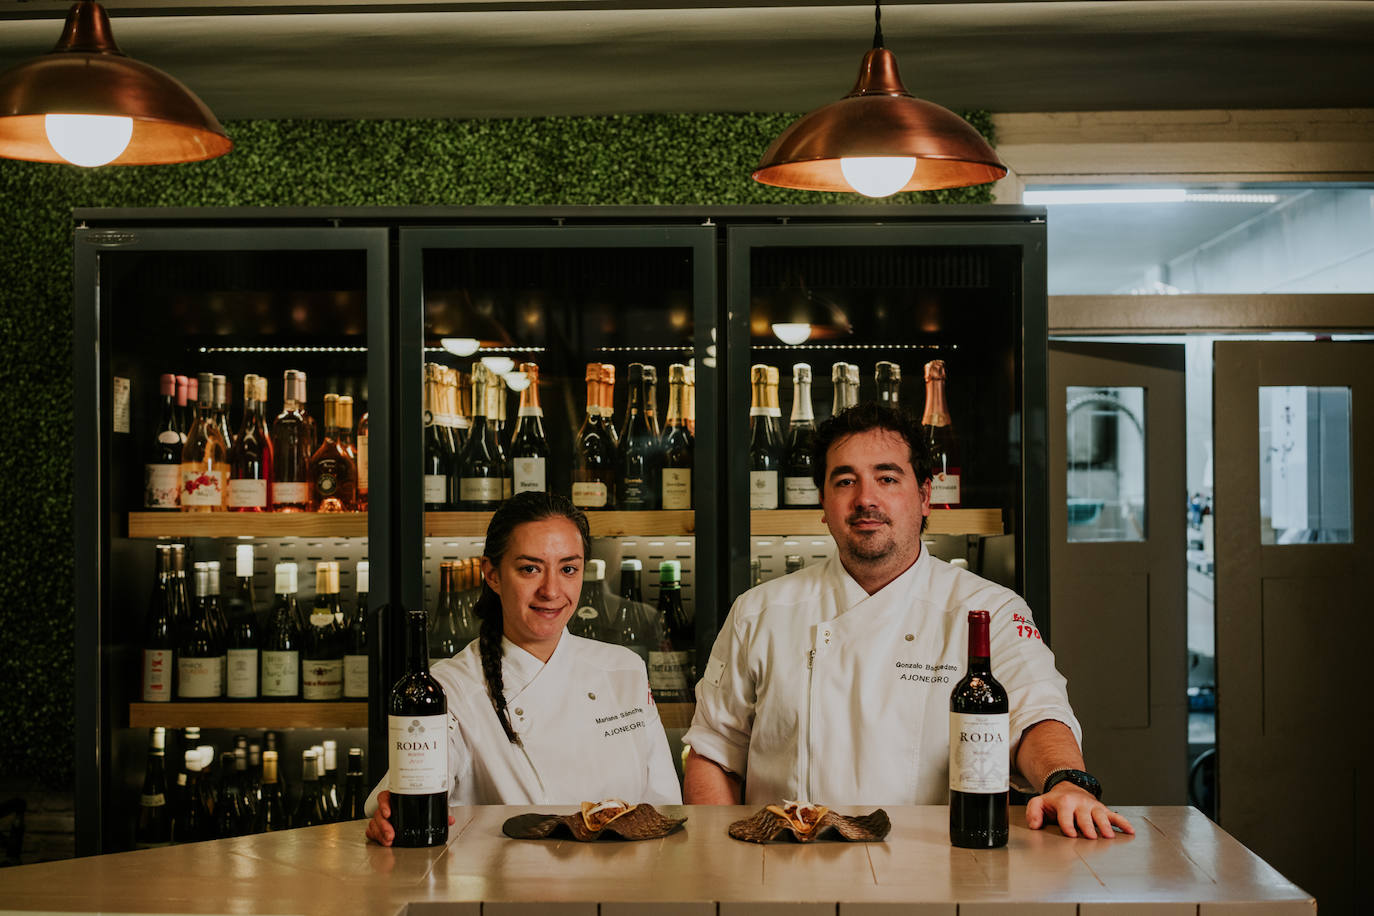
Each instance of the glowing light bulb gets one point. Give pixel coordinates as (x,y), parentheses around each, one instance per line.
(460,346)
(516,381)
(88,140)
(792,332)
(878,176)
(498,364)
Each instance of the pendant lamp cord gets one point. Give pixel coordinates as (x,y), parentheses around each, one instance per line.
(877,24)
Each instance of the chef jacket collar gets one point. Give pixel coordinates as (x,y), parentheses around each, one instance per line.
(519,667)
(854,595)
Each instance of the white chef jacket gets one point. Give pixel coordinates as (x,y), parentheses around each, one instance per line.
(586,718)
(817,690)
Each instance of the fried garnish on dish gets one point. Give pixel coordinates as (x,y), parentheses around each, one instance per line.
(805,822)
(609,819)
(596,815)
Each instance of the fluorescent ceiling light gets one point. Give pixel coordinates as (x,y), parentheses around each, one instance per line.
(1107,196)
(1233,198)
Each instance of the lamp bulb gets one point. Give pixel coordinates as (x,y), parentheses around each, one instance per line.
(792,332)
(88,140)
(498,364)
(878,176)
(460,346)
(516,381)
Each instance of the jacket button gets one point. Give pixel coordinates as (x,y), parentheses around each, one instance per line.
(909,637)
(519,712)
(591,696)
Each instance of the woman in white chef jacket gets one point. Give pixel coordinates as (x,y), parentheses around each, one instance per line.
(537,715)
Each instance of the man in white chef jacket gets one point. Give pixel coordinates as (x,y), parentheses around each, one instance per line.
(832,684)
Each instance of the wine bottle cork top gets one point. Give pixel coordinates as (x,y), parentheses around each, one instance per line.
(531,371)
(677,372)
(758,375)
(593,372)
(773,375)
(630,564)
(935,369)
(801,372)
(167,384)
(838,372)
(670,571)
(607,374)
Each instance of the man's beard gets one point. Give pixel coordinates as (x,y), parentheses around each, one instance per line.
(870,547)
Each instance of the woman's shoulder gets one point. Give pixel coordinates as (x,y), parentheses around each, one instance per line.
(604,656)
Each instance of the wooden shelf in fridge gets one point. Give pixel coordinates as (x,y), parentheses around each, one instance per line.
(249,714)
(665,523)
(808,521)
(249,524)
(676,715)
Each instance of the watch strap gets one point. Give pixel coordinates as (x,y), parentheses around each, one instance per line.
(1085,781)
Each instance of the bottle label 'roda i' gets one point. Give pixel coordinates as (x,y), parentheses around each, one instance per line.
(419,754)
(978,757)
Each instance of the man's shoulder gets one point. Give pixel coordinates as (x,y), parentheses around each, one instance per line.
(803,587)
(965,589)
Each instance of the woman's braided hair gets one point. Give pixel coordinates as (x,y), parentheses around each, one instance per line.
(518,510)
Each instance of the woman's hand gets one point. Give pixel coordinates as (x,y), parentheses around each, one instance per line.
(379,829)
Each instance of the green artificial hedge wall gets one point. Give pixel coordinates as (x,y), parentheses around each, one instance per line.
(700,160)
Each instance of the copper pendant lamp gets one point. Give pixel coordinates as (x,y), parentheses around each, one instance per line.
(85,102)
(879,140)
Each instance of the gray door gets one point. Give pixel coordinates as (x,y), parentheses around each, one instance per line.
(1295,551)
(1117,560)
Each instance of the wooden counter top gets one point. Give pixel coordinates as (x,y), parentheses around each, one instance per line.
(1177,863)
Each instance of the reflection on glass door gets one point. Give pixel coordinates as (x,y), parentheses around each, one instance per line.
(1304,446)
(1105,430)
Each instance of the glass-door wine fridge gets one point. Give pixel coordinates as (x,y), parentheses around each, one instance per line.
(578,359)
(938,311)
(233,497)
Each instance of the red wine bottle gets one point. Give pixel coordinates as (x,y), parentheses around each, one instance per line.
(417,723)
(979,759)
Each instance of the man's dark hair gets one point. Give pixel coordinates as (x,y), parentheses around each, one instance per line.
(862,417)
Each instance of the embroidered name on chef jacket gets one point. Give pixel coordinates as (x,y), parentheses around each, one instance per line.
(622,723)
(923,673)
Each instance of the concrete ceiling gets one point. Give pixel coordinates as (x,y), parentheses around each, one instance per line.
(338,59)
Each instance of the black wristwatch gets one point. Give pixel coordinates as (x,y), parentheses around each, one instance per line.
(1085,781)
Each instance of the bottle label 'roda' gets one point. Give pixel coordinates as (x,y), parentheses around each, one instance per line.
(979,760)
(419,754)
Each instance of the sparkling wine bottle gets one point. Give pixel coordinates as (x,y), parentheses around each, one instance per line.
(798,484)
(162,473)
(677,445)
(481,470)
(439,454)
(417,723)
(938,429)
(529,449)
(593,451)
(639,452)
(765,445)
(979,748)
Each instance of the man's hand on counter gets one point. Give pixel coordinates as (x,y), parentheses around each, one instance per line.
(1074,809)
(379,828)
